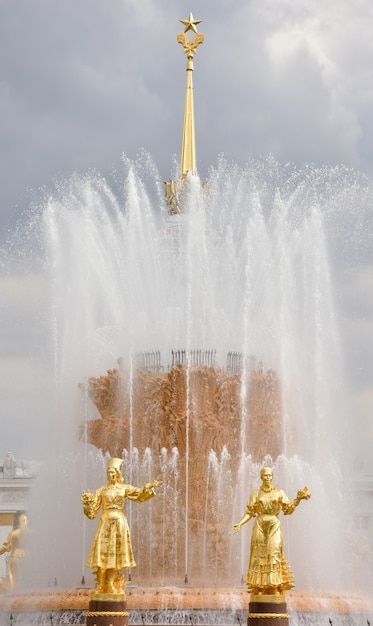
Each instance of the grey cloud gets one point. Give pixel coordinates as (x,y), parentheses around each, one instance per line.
(82,82)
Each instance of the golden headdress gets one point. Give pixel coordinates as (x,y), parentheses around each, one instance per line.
(115,462)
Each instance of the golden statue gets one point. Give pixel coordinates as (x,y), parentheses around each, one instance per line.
(111,549)
(268,573)
(14,545)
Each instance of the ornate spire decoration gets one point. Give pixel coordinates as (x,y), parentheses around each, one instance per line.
(190,39)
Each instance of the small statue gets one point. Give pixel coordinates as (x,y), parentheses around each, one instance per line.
(14,545)
(268,573)
(111,549)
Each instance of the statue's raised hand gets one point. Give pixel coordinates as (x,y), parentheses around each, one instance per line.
(303,494)
(155,483)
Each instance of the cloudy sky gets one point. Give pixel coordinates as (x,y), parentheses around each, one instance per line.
(82,81)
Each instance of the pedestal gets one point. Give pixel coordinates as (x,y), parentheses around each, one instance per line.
(267,611)
(107,610)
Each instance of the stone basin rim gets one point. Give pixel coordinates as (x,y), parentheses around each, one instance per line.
(181,598)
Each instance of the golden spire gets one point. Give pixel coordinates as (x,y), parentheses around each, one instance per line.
(190,39)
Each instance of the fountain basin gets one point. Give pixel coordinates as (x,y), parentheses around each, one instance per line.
(181,605)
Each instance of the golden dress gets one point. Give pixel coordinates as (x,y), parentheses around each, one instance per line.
(268,567)
(14,545)
(111,547)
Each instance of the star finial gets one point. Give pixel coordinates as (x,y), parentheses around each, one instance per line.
(190,23)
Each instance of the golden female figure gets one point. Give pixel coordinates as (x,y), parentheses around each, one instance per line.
(268,572)
(111,549)
(14,545)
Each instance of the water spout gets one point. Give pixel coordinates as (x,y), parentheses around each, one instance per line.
(204,343)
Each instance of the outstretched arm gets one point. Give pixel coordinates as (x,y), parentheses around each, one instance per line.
(7,545)
(242,521)
(302,494)
(142,494)
(155,483)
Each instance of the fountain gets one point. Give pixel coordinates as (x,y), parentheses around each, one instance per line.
(196,338)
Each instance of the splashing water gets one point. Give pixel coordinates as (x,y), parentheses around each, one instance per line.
(247,271)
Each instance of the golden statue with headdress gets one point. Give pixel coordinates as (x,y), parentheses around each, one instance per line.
(111,549)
